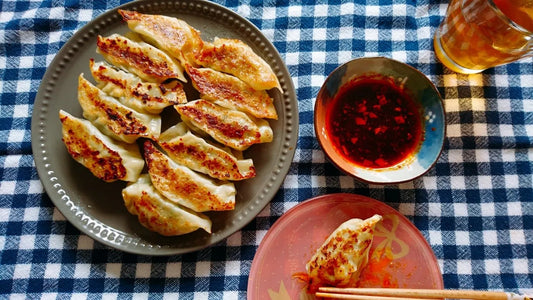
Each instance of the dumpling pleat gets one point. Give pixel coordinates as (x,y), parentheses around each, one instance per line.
(106,158)
(173,35)
(235,57)
(186,187)
(140,95)
(139,58)
(192,151)
(340,259)
(159,214)
(231,92)
(114,118)
(232,128)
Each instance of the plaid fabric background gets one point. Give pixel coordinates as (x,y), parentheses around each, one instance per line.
(475,207)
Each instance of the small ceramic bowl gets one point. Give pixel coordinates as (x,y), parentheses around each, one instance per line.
(420,90)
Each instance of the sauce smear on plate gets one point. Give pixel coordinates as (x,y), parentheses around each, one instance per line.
(374,123)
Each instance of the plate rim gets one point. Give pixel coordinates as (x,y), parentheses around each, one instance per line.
(115,238)
(310,201)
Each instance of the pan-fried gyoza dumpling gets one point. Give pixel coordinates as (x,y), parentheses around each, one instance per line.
(194,152)
(186,187)
(231,92)
(114,118)
(173,35)
(160,214)
(232,128)
(237,58)
(340,259)
(106,158)
(133,92)
(139,58)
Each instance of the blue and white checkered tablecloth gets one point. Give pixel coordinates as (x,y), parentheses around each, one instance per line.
(475,207)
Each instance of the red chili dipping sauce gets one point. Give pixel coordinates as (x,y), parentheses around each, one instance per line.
(374,123)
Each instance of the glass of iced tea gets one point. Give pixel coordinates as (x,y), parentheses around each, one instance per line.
(480,34)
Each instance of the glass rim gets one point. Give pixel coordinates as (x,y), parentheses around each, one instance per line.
(509,20)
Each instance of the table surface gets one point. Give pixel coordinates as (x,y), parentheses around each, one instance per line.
(474,207)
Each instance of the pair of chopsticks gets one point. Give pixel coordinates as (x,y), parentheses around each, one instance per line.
(413,294)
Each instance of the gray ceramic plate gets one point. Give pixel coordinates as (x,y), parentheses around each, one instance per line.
(96,207)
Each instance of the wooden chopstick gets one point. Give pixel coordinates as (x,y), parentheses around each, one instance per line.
(413,294)
(361,297)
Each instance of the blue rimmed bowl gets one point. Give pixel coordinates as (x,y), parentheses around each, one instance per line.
(422,91)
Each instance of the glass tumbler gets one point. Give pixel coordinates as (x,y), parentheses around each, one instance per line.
(479,34)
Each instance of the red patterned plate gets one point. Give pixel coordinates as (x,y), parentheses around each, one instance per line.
(399,257)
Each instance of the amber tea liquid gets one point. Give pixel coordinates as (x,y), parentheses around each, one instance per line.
(480,34)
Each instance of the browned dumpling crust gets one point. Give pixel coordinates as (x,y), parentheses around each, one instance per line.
(235,57)
(114,118)
(173,35)
(130,90)
(106,158)
(186,187)
(231,92)
(232,128)
(340,259)
(194,152)
(192,165)
(158,213)
(139,58)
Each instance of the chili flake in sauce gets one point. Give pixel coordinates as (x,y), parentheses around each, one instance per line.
(374,123)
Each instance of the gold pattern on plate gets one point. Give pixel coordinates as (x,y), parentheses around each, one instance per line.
(390,238)
(282,294)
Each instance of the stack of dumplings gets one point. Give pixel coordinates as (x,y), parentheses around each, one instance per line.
(176,175)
